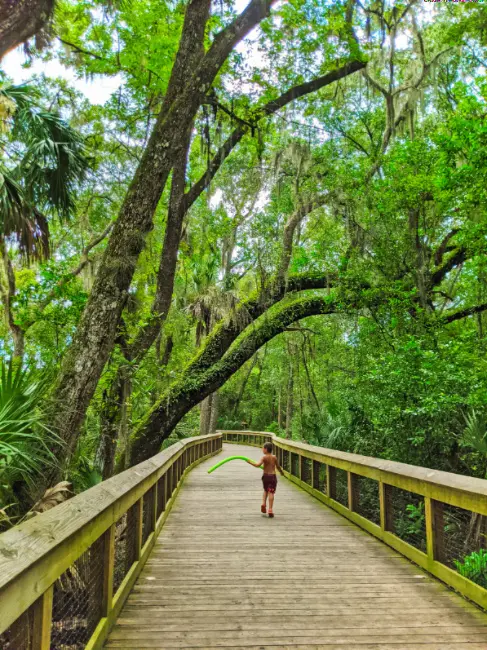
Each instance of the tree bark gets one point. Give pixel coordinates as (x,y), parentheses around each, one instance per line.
(180,203)
(168,348)
(168,262)
(20,20)
(8,290)
(292,223)
(110,427)
(225,332)
(290,401)
(215,398)
(205,414)
(125,416)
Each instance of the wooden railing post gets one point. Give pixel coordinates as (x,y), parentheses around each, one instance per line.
(108,568)
(42,623)
(169,487)
(386,509)
(435,529)
(331,481)
(353,491)
(155,490)
(300,467)
(165,487)
(139,525)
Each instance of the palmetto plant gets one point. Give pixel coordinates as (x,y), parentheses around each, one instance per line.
(25,440)
(42,159)
(475,432)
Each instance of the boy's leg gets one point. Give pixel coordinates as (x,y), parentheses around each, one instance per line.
(271,500)
(263,507)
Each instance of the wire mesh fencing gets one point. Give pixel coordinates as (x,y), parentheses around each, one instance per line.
(80,596)
(464,543)
(161,495)
(306,470)
(78,600)
(319,476)
(169,483)
(407,517)
(286,460)
(366,498)
(341,486)
(19,635)
(125,546)
(295,465)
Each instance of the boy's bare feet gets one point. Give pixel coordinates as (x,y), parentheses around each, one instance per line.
(263,509)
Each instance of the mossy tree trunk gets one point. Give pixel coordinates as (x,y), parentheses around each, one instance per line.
(290,402)
(215,399)
(205,415)
(195,386)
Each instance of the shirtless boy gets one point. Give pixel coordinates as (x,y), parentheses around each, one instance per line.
(269,478)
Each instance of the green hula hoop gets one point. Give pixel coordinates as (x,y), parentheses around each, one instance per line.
(226,460)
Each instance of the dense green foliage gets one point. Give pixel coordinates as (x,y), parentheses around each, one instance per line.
(375,183)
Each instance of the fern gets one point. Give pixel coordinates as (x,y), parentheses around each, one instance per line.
(474,567)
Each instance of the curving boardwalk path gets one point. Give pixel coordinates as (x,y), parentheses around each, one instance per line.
(223,575)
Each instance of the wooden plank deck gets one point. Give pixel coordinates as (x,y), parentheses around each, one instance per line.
(223,575)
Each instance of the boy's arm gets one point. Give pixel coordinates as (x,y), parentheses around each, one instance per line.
(259,464)
(279,467)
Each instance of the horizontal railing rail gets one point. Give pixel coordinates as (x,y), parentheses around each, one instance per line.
(65,574)
(436,519)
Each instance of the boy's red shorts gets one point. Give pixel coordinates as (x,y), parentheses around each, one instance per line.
(270,482)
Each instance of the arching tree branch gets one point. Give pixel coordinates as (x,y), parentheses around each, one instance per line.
(225,332)
(194,387)
(455,259)
(463,313)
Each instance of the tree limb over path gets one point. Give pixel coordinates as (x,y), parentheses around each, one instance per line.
(190,390)
(257,320)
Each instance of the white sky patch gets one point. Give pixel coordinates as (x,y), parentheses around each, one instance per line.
(98,90)
(216,199)
(402,41)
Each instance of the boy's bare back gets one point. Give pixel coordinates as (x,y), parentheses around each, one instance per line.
(270,463)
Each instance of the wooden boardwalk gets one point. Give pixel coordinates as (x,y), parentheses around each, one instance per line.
(223,575)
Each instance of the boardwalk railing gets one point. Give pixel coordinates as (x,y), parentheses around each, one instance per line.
(65,574)
(436,519)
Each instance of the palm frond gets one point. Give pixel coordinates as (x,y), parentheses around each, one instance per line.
(51,162)
(52,497)
(19,221)
(475,432)
(55,162)
(25,440)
